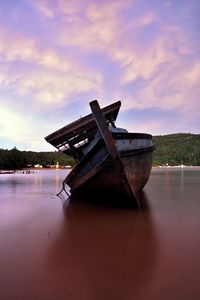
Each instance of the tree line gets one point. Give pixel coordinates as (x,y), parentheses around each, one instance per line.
(177,149)
(15,159)
(173,149)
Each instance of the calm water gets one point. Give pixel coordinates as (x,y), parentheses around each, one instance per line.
(51,249)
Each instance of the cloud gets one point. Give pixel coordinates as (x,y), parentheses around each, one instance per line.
(144,54)
(44,75)
(51,88)
(163,75)
(103,27)
(22,130)
(142,21)
(14,47)
(161,65)
(17,127)
(45,87)
(150,125)
(174,92)
(143,61)
(44,8)
(17,47)
(93,26)
(193,75)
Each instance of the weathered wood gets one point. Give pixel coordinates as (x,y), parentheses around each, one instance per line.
(82,125)
(110,166)
(107,137)
(103,128)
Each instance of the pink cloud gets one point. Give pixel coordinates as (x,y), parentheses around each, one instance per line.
(126,50)
(175,89)
(102,30)
(44,8)
(52,78)
(14,46)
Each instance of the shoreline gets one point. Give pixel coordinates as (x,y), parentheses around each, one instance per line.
(175,167)
(8,171)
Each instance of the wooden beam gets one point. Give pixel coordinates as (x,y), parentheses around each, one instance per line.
(103,128)
(110,145)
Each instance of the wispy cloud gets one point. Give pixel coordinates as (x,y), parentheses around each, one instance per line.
(44,75)
(95,27)
(144,53)
(17,127)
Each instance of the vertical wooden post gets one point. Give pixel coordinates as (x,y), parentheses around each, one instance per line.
(108,139)
(103,128)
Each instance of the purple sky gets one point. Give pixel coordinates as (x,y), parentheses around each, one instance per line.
(58,55)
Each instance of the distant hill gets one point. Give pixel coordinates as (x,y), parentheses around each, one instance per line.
(15,159)
(172,149)
(177,149)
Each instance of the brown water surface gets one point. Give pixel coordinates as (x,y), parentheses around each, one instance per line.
(52,249)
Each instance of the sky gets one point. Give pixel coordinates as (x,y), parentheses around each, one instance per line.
(58,55)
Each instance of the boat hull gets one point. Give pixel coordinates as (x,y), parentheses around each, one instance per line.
(103,182)
(113,165)
(138,169)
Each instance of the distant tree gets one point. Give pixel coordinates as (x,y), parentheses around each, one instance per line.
(174,149)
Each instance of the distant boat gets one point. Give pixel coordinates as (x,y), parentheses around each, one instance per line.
(7,172)
(112,164)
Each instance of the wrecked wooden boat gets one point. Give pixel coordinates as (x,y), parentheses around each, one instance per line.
(112,164)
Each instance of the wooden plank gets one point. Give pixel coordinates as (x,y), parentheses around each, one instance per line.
(103,128)
(84,124)
(107,137)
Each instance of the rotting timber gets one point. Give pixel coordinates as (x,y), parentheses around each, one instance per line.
(113,165)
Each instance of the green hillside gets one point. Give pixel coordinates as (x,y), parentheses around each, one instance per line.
(15,159)
(177,149)
(173,149)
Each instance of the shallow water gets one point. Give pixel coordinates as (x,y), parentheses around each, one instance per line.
(53,249)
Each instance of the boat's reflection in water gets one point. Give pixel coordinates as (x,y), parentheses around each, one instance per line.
(104,252)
